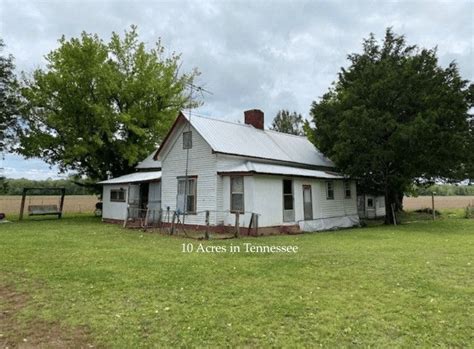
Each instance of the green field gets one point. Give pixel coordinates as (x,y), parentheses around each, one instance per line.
(80,283)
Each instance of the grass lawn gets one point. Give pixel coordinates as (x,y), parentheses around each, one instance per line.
(78,282)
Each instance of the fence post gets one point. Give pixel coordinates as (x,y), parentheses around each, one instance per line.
(22,208)
(251,222)
(146,219)
(433,205)
(206,233)
(393,214)
(256,224)
(126,217)
(237,224)
(172,223)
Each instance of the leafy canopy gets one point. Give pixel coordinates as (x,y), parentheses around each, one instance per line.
(395,116)
(98,108)
(287,122)
(9,98)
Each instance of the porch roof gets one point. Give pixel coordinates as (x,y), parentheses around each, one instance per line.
(262,168)
(134,178)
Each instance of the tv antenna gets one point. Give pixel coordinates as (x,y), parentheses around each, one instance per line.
(202,90)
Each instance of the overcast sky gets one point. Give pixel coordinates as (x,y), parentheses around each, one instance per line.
(251,54)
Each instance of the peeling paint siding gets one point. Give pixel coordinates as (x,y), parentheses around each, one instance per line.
(202,162)
(114,210)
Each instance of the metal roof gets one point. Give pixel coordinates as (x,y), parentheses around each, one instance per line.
(149,163)
(246,140)
(134,177)
(255,167)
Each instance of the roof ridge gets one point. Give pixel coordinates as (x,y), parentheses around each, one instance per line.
(220,120)
(286,134)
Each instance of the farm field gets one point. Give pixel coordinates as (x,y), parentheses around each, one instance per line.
(10,204)
(441,202)
(80,283)
(86,203)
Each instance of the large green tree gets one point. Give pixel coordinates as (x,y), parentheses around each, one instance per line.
(395,116)
(287,122)
(9,97)
(100,107)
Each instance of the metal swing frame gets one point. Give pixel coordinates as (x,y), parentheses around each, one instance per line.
(43,210)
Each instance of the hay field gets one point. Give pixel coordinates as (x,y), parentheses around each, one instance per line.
(72,203)
(441,202)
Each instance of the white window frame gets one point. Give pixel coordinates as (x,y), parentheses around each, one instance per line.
(117,192)
(371,200)
(184,196)
(347,188)
(288,214)
(233,192)
(329,190)
(187,140)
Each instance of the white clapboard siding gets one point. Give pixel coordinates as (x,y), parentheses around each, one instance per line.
(201,163)
(112,209)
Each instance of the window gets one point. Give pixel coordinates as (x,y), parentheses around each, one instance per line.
(117,195)
(186,203)
(288,204)
(329,190)
(237,194)
(287,194)
(187,140)
(347,189)
(370,202)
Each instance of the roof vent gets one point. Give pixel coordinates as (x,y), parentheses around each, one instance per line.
(254,117)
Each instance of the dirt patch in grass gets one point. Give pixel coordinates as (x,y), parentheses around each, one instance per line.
(36,333)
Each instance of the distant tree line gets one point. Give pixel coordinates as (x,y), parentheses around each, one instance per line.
(10,186)
(443,190)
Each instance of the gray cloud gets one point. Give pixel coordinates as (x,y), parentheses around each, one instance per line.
(252,54)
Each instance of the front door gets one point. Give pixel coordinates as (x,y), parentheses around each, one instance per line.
(307,203)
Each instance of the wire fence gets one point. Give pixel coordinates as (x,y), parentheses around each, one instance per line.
(205,224)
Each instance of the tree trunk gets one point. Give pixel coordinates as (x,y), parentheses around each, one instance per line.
(399,201)
(390,199)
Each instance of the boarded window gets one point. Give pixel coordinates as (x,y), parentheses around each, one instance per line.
(329,190)
(187,140)
(347,189)
(117,195)
(237,194)
(186,198)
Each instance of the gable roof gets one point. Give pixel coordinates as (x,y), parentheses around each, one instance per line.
(149,163)
(245,140)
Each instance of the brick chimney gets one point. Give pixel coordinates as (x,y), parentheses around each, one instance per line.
(254,117)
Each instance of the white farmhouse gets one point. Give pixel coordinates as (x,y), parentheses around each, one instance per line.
(223,167)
